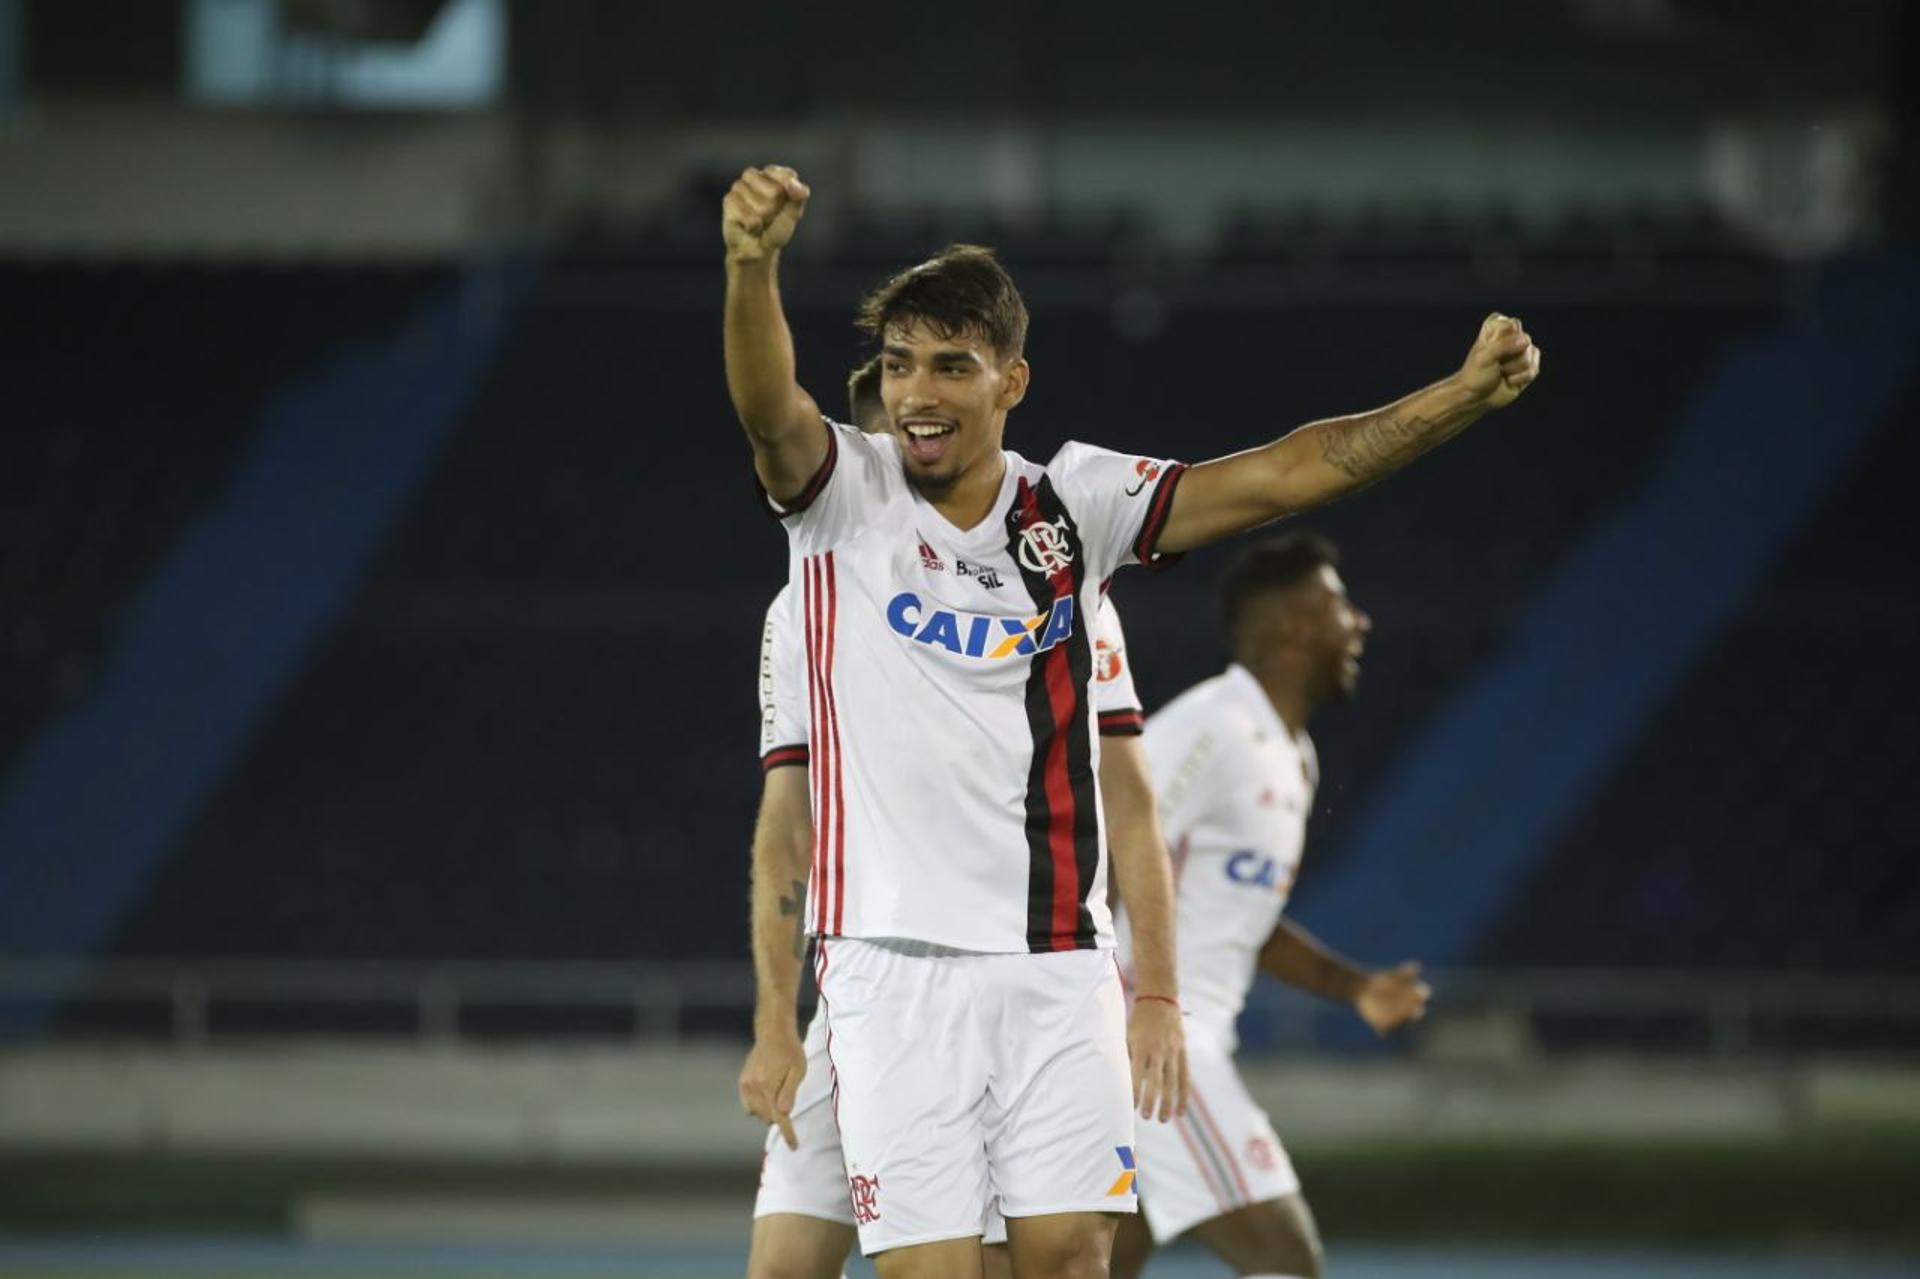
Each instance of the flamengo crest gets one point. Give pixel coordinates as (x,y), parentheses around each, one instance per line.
(1044,547)
(864,1192)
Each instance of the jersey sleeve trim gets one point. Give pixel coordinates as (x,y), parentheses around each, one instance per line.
(1123,723)
(783,757)
(806,496)
(1156,520)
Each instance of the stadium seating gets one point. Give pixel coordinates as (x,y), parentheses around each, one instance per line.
(532,734)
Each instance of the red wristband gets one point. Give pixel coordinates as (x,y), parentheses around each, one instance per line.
(1158,999)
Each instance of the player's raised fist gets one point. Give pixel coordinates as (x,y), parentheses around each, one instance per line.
(760,212)
(1503,362)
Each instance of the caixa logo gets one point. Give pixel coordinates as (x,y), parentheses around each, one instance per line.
(1250,868)
(978,634)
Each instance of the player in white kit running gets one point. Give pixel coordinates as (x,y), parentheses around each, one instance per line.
(803,1218)
(976,1024)
(1236,774)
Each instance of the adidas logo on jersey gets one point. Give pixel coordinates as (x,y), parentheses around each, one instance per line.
(978,634)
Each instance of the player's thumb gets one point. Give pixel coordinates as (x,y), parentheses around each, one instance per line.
(1409,969)
(791,186)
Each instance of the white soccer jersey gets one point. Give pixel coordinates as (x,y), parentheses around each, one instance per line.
(952,741)
(783,686)
(1235,788)
(783,682)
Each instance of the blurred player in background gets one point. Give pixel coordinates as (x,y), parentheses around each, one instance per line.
(959,878)
(1236,776)
(803,1219)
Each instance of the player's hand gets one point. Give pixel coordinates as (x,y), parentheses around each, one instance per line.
(759,214)
(771,1077)
(1503,362)
(1393,998)
(1157,1049)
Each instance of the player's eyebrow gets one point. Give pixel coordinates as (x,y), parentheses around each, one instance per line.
(940,359)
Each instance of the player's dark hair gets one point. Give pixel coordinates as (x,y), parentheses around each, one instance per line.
(1272,564)
(963,290)
(863,397)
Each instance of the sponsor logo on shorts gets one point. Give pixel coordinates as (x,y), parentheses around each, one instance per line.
(1261,1155)
(1123,1184)
(864,1194)
(980,634)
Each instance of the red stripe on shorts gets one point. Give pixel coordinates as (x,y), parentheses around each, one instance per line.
(1226,1151)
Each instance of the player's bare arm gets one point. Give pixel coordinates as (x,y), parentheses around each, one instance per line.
(1325,460)
(1156,1041)
(758,217)
(1385,1000)
(781,839)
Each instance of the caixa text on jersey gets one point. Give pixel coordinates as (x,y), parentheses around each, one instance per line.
(978,634)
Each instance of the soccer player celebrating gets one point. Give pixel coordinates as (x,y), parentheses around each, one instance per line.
(803,1219)
(1237,774)
(958,877)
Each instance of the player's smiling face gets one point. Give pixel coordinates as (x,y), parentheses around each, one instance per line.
(947,398)
(1342,630)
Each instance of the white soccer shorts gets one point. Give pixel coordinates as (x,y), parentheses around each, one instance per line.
(812,1179)
(1221,1155)
(970,1079)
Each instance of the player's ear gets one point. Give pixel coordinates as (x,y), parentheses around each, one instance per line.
(1013,383)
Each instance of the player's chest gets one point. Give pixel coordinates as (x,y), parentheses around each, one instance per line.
(965,604)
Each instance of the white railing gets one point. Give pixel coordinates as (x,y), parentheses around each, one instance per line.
(190,1002)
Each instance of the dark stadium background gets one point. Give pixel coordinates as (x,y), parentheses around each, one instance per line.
(381,575)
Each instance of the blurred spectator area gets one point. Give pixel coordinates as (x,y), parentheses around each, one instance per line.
(407,126)
(531,735)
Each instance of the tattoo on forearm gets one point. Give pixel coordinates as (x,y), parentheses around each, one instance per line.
(1368,447)
(793,904)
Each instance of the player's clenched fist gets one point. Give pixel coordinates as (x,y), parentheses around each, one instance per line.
(1391,999)
(1503,362)
(761,210)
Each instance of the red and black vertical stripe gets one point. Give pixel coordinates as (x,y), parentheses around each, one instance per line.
(1062,821)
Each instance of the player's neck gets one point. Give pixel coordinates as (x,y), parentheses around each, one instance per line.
(1290,698)
(970,499)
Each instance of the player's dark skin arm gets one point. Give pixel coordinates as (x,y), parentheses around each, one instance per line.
(1328,459)
(1295,956)
(783,423)
(1385,1000)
